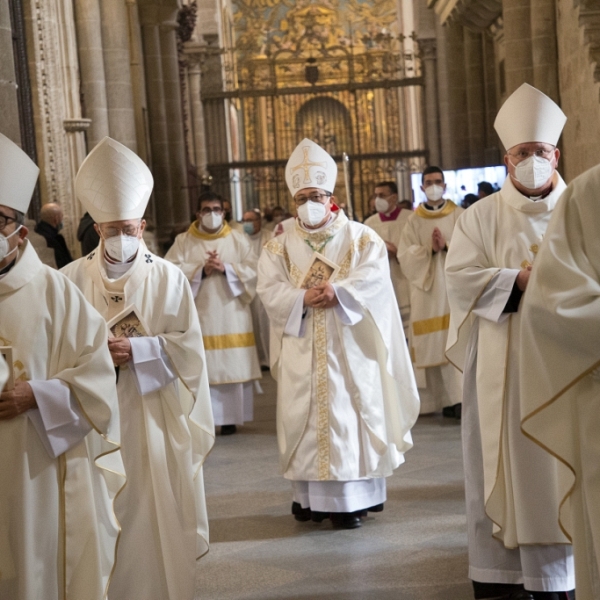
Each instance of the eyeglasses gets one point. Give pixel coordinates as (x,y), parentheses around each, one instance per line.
(313,198)
(130,230)
(4,221)
(206,210)
(524,154)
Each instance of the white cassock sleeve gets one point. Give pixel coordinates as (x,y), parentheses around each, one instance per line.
(58,419)
(233,281)
(296,324)
(150,364)
(492,301)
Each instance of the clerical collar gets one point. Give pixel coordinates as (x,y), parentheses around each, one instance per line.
(390,216)
(434,208)
(8,267)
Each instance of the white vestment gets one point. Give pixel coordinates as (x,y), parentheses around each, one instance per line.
(3,373)
(60,466)
(390,230)
(346,397)
(438,381)
(223,305)
(560,352)
(506,473)
(166,423)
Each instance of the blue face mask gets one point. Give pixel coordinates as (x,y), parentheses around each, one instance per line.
(249,228)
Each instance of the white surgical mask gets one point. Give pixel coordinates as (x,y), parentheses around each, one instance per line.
(4,246)
(381,205)
(121,247)
(312,213)
(434,192)
(212,220)
(533,172)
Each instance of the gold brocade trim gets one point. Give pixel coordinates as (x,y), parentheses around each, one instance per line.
(228,340)
(293,270)
(320,341)
(431,325)
(203,235)
(274,246)
(436,214)
(357,246)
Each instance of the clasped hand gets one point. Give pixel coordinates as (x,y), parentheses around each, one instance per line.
(214,263)
(320,296)
(120,350)
(437,240)
(17,401)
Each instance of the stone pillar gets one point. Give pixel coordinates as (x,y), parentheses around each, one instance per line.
(517,43)
(198,138)
(119,93)
(432,114)
(9,104)
(544,47)
(475,97)
(91,65)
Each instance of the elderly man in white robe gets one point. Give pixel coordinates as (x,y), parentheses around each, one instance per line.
(561,355)
(156,345)
(346,395)
(221,267)
(422,252)
(60,464)
(516,545)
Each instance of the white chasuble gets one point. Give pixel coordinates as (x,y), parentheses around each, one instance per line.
(560,355)
(493,240)
(168,432)
(346,396)
(222,300)
(58,531)
(390,230)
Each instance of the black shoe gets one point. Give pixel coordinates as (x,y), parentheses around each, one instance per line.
(228,429)
(553,595)
(458,411)
(318,516)
(300,514)
(376,508)
(346,520)
(452,412)
(264,368)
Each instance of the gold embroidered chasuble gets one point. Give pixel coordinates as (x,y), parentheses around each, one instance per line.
(502,231)
(346,393)
(64,504)
(430,314)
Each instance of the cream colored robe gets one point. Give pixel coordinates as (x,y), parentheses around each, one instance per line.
(346,396)
(58,531)
(391,231)
(501,234)
(168,432)
(560,353)
(3,373)
(226,319)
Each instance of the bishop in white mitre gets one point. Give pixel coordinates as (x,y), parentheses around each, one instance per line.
(60,464)
(422,253)
(560,353)
(221,267)
(511,482)
(166,420)
(346,395)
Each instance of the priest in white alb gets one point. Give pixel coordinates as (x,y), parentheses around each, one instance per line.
(166,420)
(346,396)
(60,464)
(389,222)
(221,267)
(560,353)
(516,544)
(422,254)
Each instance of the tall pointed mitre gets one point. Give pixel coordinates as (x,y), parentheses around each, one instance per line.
(529,116)
(18,176)
(310,166)
(113,183)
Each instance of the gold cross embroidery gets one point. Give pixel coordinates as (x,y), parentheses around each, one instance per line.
(306,165)
(534,249)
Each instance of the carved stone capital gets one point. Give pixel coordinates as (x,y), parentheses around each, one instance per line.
(428,48)
(75,125)
(474,14)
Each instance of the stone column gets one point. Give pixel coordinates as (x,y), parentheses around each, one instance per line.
(91,66)
(517,43)
(475,97)
(432,115)
(198,137)
(117,60)
(544,47)
(9,104)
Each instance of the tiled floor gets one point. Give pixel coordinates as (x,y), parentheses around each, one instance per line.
(414,550)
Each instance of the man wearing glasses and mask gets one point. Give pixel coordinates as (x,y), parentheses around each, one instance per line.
(346,397)
(516,546)
(221,267)
(162,383)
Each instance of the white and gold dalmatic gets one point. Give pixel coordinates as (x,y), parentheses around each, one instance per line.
(560,355)
(223,306)
(346,396)
(166,420)
(60,465)
(438,381)
(511,482)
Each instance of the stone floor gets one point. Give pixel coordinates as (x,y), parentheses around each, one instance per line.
(414,550)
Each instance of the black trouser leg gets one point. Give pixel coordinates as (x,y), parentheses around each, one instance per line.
(553,595)
(493,590)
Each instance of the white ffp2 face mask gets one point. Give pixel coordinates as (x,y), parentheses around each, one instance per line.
(381,205)
(212,220)
(121,247)
(312,213)
(4,245)
(434,192)
(533,172)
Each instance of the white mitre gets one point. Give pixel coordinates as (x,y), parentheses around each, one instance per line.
(113,183)
(310,166)
(529,116)
(18,176)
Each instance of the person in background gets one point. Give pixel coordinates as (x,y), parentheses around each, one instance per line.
(86,234)
(484,188)
(49,227)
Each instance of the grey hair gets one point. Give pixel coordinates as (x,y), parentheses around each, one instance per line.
(19,217)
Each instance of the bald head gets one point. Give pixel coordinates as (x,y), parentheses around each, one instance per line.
(52,213)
